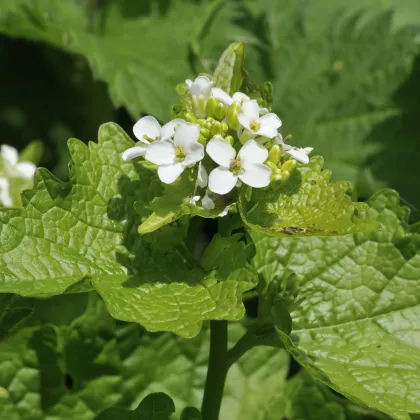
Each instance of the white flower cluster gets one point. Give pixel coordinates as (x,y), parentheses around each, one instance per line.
(12,168)
(178,144)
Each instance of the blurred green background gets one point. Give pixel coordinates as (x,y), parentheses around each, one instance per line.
(345,77)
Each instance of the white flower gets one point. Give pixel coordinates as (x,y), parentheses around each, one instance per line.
(225,211)
(194,199)
(148,130)
(202,177)
(250,119)
(174,158)
(300,154)
(12,166)
(247,165)
(207,203)
(5,197)
(200,91)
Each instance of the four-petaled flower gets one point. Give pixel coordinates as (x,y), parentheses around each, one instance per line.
(148,130)
(173,158)
(200,91)
(300,154)
(239,97)
(247,165)
(250,119)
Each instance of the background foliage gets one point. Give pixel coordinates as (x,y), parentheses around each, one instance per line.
(346,82)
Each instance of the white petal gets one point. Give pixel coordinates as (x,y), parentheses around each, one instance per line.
(202,176)
(5,198)
(253,152)
(308,150)
(188,82)
(194,151)
(9,154)
(25,170)
(244,121)
(240,97)
(225,211)
(207,203)
(220,151)
(133,152)
(222,96)
(271,120)
(168,129)
(263,111)
(251,110)
(256,175)
(185,134)
(221,180)
(298,154)
(201,86)
(169,173)
(194,199)
(161,153)
(279,140)
(148,126)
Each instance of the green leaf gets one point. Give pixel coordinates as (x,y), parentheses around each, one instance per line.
(190,413)
(14,314)
(114,44)
(306,205)
(85,232)
(355,323)
(157,406)
(229,73)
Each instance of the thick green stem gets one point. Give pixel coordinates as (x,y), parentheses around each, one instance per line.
(245,343)
(217,370)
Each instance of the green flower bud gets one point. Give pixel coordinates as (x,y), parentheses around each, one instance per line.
(230,140)
(289,166)
(275,154)
(216,129)
(272,166)
(220,111)
(205,132)
(225,127)
(285,176)
(232,115)
(202,140)
(190,117)
(207,125)
(211,106)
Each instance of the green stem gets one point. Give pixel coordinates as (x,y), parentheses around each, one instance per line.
(217,370)
(245,343)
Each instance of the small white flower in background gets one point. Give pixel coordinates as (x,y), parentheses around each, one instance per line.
(240,97)
(300,154)
(200,91)
(173,158)
(148,130)
(250,119)
(202,177)
(247,165)
(11,165)
(5,197)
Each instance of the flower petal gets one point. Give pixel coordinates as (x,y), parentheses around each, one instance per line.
(5,198)
(201,86)
(207,203)
(251,110)
(222,96)
(185,134)
(244,121)
(169,173)
(189,83)
(148,126)
(220,151)
(271,119)
(168,129)
(221,180)
(194,151)
(133,152)
(256,175)
(9,154)
(298,154)
(25,170)
(253,152)
(202,176)
(268,131)
(240,97)
(161,153)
